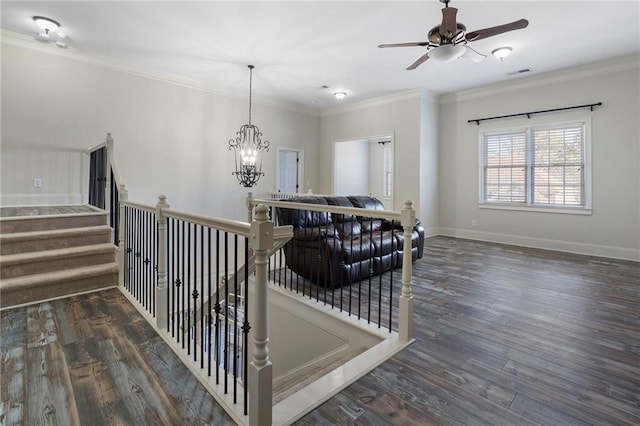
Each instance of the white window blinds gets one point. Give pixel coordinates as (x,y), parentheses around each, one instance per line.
(535,166)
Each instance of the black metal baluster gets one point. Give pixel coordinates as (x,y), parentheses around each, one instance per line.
(202,294)
(217,308)
(138,270)
(188,281)
(184,279)
(145,259)
(127,248)
(325,264)
(235,319)
(304,255)
(319,264)
(393,224)
(380,286)
(280,268)
(371,272)
(352,266)
(171,232)
(132,254)
(226,312)
(360,267)
(115,209)
(246,327)
(209,302)
(194,294)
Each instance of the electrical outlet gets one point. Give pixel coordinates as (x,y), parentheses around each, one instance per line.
(37,182)
(474,222)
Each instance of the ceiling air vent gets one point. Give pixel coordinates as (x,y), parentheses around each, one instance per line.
(522,71)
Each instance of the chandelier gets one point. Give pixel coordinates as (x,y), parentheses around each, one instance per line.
(248,148)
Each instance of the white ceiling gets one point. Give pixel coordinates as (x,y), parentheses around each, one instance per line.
(299,46)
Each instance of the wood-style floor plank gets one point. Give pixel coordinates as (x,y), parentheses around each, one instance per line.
(505,336)
(510,335)
(93,360)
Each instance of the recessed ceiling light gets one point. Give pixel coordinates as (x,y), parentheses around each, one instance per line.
(339,95)
(501,52)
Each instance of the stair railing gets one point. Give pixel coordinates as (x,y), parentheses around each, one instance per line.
(104,179)
(337,298)
(189,275)
(106,187)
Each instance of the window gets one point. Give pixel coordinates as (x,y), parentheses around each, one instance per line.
(544,166)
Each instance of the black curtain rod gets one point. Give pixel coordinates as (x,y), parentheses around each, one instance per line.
(529,114)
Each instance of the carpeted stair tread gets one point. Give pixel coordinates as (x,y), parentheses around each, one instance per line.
(58,276)
(46,223)
(45,255)
(21,242)
(19,264)
(37,287)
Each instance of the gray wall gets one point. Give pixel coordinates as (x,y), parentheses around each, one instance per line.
(169,138)
(613,229)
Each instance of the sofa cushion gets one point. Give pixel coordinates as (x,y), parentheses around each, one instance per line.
(366,202)
(346,224)
(304,218)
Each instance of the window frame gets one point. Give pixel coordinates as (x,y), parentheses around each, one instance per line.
(528,126)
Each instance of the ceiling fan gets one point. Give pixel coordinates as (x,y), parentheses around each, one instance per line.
(448,41)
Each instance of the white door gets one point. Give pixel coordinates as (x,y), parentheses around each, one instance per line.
(289,168)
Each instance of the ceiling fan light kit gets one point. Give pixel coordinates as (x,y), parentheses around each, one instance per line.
(448,41)
(447,52)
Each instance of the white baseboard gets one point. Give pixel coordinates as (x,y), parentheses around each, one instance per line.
(9,200)
(623,253)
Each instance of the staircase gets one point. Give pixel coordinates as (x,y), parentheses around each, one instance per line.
(55,255)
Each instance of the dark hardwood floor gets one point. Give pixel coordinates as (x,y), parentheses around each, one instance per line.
(93,360)
(508,336)
(505,335)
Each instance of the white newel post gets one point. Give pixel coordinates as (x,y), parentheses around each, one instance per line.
(162,294)
(123,196)
(408,220)
(107,195)
(250,207)
(260,371)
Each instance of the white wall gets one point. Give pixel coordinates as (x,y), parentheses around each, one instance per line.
(169,138)
(614,227)
(63,174)
(351,168)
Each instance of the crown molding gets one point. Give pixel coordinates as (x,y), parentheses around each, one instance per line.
(622,63)
(29,42)
(380,100)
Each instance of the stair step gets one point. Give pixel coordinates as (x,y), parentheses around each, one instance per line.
(22,242)
(47,261)
(47,223)
(38,287)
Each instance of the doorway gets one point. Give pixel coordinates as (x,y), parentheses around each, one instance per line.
(290,165)
(365,167)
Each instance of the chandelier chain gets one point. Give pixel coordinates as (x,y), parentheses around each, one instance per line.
(250,90)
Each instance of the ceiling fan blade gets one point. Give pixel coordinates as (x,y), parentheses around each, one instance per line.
(448,27)
(492,31)
(417,43)
(419,62)
(473,55)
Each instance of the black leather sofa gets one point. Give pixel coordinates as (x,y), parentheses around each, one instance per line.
(333,250)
